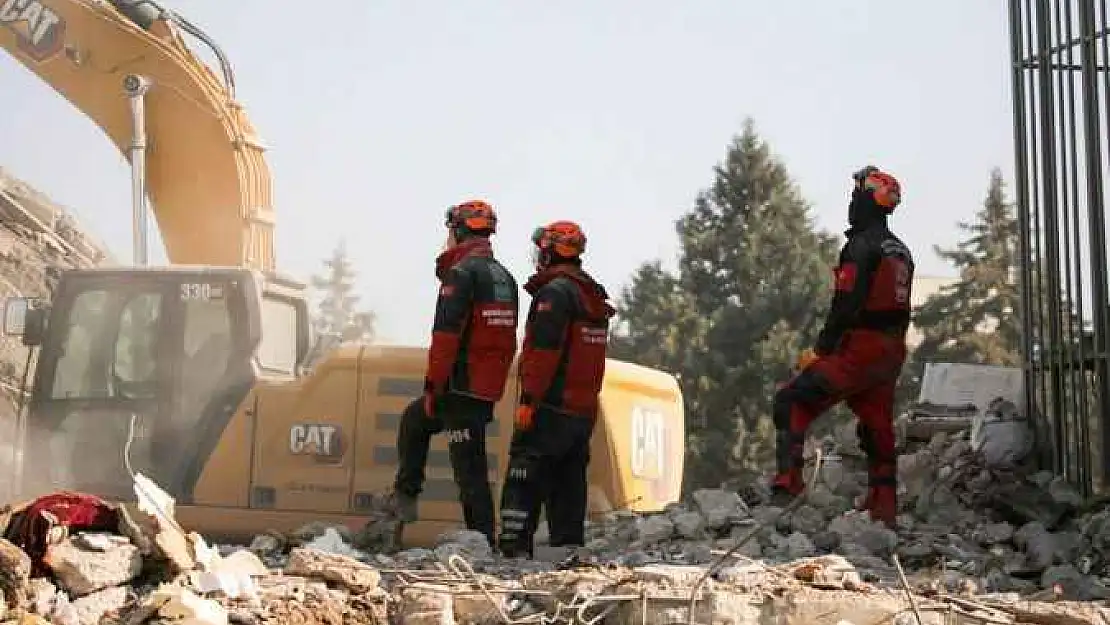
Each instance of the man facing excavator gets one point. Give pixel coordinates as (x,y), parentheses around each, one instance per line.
(473,345)
(860,352)
(562,364)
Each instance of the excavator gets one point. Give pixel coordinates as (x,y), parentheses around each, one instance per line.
(205,375)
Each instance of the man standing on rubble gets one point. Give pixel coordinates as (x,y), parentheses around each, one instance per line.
(860,352)
(561,367)
(473,345)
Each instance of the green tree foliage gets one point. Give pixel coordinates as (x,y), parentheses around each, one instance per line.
(338,309)
(752,280)
(975,320)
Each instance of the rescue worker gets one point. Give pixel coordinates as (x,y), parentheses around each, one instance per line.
(473,345)
(562,363)
(861,349)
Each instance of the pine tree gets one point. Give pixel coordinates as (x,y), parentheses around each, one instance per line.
(753,277)
(338,310)
(975,320)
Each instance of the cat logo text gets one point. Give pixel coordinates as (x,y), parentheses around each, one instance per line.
(39,30)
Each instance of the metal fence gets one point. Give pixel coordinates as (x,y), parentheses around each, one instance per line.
(1060,52)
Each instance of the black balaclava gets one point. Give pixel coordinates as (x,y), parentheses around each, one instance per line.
(863,211)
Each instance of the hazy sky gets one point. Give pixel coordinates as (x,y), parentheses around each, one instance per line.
(380,113)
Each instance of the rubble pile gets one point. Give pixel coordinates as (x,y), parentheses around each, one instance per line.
(73,559)
(38,240)
(965,525)
(977,541)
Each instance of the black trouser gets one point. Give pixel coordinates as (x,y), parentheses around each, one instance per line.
(547,465)
(464,420)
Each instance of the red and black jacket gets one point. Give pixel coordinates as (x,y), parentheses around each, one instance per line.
(566,337)
(474,333)
(873,282)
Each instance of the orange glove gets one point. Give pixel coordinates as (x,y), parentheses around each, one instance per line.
(525,414)
(807,358)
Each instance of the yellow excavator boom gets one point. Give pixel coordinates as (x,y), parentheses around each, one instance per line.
(204,166)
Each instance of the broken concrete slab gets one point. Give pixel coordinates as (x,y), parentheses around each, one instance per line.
(89,609)
(180,604)
(426,604)
(83,569)
(348,572)
(15,573)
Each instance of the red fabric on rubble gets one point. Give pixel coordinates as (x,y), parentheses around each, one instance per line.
(77,511)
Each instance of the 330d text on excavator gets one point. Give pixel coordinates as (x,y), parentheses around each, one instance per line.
(207,370)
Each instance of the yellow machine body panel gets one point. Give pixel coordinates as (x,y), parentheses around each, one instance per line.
(321,447)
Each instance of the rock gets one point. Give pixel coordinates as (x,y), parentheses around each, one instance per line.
(654,529)
(798,545)
(89,609)
(130,525)
(84,565)
(766,515)
(467,543)
(826,541)
(663,608)
(1064,494)
(265,545)
(311,531)
(750,549)
(332,541)
(827,572)
(720,508)
(425,604)
(294,600)
(1044,548)
(1075,585)
(689,525)
(476,609)
(1059,613)
(342,570)
(43,596)
(808,520)
(15,573)
(860,530)
(181,604)
(994,533)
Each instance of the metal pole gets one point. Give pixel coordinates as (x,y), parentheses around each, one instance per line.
(1096,217)
(135,87)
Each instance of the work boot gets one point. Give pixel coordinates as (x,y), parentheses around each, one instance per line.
(405,507)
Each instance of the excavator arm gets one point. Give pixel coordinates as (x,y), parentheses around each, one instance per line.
(204,168)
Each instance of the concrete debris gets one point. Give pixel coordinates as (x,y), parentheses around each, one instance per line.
(348,572)
(977,545)
(84,565)
(92,608)
(15,574)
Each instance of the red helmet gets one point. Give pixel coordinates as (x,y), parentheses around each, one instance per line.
(885,188)
(473,215)
(562,238)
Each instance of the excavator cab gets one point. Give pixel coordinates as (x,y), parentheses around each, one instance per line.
(153,362)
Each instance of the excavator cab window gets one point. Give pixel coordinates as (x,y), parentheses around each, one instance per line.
(278,353)
(109,347)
